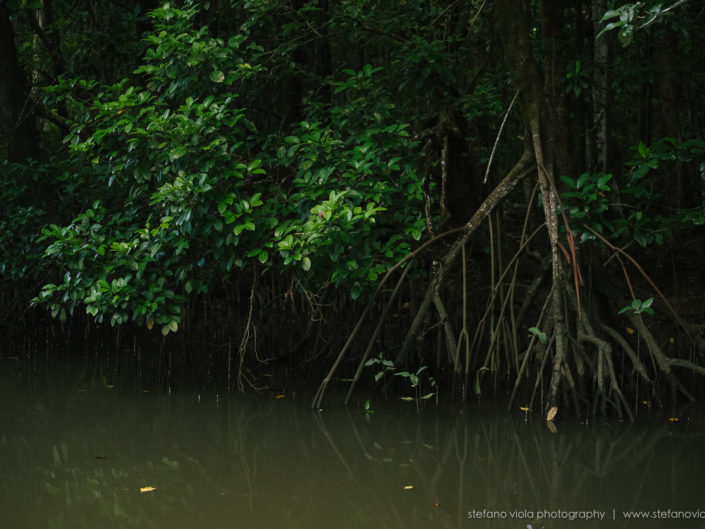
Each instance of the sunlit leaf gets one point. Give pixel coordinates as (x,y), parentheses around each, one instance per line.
(147,489)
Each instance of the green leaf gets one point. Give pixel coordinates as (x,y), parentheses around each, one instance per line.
(306,264)
(263,256)
(602,182)
(643,150)
(32,4)
(217,76)
(581,180)
(567,180)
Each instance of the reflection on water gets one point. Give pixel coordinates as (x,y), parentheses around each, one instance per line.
(76,455)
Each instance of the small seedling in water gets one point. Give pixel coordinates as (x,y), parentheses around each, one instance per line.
(415,383)
(385,365)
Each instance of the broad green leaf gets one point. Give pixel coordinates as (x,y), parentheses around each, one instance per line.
(217,76)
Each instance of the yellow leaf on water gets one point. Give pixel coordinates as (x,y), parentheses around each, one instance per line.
(672,340)
(109,386)
(673,419)
(551,413)
(524,408)
(408,487)
(629,330)
(147,489)
(280,396)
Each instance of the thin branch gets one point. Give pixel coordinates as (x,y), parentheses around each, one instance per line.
(499,135)
(653,18)
(645,275)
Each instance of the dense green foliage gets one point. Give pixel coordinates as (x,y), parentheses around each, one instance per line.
(185,146)
(190,196)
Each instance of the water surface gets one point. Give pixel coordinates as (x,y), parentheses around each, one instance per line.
(77,453)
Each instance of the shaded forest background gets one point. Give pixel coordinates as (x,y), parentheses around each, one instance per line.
(478,196)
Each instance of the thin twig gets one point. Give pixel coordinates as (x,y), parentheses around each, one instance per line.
(645,275)
(499,135)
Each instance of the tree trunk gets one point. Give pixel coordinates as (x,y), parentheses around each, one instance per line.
(600,93)
(544,126)
(17,123)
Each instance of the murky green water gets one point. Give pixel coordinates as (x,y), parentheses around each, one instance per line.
(75,455)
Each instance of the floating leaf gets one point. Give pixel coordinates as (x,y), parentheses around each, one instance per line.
(629,330)
(281,396)
(551,413)
(524,408)
(408,487)
(673,419)
(147,489)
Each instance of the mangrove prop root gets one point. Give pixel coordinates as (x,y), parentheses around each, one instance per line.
(378,329)
(664,362)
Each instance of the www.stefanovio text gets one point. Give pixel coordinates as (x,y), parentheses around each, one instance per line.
(560,514)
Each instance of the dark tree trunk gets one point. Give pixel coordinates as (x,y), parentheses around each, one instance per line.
(17,120)
(670,126)
(543,125)
(313,61)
